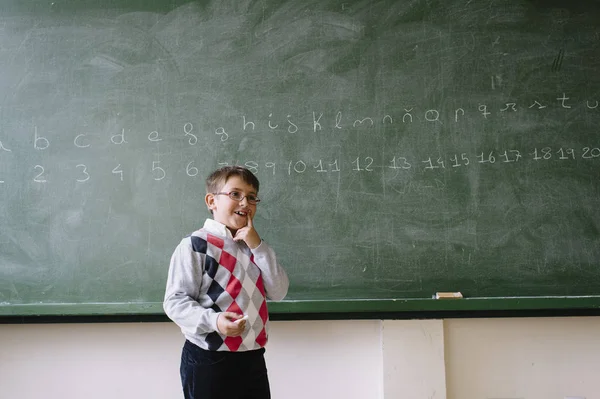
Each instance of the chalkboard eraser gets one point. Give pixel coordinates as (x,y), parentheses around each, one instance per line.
(448,295)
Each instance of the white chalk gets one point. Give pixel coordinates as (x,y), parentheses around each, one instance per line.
(448,295)
(243,318)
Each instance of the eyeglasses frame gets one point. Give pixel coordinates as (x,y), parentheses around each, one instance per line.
(255,202)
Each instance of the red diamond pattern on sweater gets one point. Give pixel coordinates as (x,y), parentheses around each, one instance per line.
(233,343)
(228,261)
(263,312)
(234,287)
(262,337)
(216,241)
(261,286)
(235,308)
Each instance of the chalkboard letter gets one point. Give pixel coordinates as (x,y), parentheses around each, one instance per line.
(45,143)
(4,148)
(119,138)
(77,144)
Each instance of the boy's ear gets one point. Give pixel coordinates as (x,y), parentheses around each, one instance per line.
(209,199)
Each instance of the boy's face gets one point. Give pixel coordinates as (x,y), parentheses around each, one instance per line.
(231,213)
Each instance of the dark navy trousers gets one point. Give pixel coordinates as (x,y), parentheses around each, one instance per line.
(223,375)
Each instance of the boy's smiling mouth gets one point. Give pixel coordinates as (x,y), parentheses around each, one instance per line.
(241,213)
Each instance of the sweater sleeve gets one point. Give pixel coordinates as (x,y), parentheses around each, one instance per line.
(183,287)
(274,276)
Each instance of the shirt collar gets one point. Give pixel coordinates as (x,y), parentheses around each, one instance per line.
(216,228)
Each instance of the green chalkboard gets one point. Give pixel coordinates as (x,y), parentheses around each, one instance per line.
(403,147)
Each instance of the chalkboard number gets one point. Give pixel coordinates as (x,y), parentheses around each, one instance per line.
(456,162)
(507,156)
(334,166)
(271,165)
(39,178)
(545,153)
(590,153)
(118,171)
(319,167)
(402,163)
(490,158)
(191,170)
(252,166)
(368,162)
(299,167)
(568,152)
(439,164)
(85,173)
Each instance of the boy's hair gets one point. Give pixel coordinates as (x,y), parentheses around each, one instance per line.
(219,177)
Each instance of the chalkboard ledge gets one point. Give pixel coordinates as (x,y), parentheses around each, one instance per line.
(321,309)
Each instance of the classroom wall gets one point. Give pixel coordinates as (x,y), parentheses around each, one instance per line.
(533,358)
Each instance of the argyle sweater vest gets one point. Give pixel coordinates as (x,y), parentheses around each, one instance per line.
(231,282)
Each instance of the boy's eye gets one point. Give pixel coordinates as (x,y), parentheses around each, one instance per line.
(235,195)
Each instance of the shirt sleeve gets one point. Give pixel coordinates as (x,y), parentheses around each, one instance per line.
(274,276)
(183,287)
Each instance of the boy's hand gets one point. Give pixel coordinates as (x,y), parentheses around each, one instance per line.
(248,234)
(227,326)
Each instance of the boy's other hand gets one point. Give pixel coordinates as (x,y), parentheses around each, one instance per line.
(226,325)
(248,234)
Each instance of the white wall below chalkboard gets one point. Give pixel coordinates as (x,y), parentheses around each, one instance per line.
(533,358)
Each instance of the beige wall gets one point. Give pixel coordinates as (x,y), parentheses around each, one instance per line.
(533,358)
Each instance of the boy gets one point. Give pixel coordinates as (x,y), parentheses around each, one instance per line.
(219,280)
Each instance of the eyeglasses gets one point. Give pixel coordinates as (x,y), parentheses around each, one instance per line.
(237,196)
